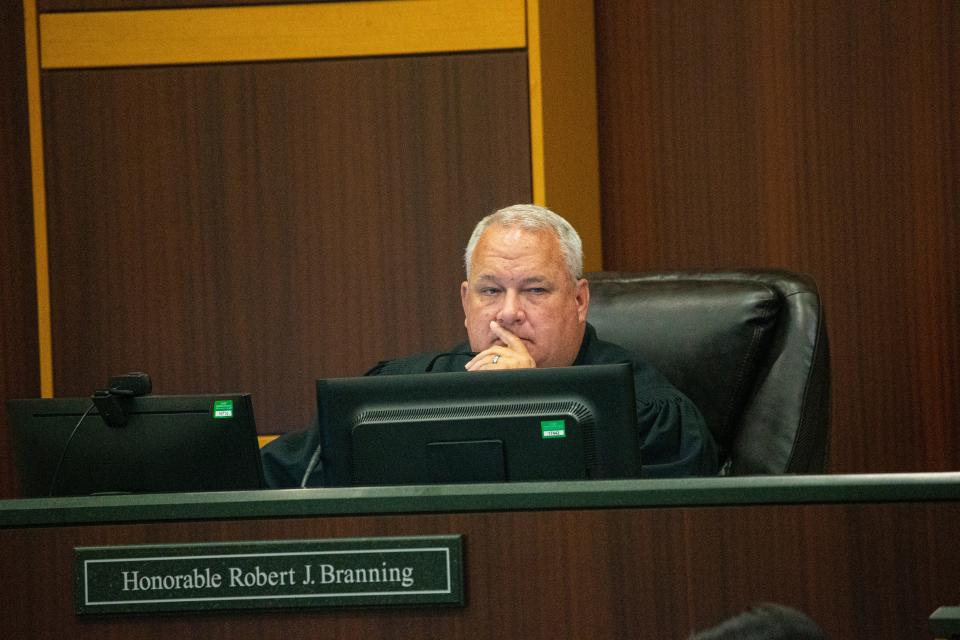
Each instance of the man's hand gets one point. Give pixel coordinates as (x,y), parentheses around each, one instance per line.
(513,355)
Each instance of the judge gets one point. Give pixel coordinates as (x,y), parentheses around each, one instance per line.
(525,305)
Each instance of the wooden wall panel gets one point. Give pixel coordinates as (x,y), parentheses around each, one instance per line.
(602,573)
(817,136)
(19,363)
(255,226)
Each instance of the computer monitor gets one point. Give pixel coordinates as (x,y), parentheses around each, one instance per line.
(169,443)
(518,425)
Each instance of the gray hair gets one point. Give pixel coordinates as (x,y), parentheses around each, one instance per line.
(532,218)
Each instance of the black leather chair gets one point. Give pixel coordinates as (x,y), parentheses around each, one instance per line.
(749,347)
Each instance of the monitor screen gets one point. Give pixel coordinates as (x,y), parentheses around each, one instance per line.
(518,425)
(170,443)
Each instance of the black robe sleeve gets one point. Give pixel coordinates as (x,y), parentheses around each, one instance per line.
(674,439)
(285,459)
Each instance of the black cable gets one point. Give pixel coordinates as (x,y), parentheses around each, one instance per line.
(316,462)
(63,454)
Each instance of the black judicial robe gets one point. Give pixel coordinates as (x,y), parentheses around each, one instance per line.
(675,441)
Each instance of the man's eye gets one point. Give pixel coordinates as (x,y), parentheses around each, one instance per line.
(536,290)
(489,291)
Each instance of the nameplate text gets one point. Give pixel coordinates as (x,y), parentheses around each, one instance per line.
(274,574)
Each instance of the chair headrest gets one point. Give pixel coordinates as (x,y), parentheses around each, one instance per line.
(708,336)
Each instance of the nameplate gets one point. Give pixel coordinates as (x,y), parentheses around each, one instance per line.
(277,574)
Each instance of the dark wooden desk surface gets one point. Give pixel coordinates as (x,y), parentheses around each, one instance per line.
(866,556)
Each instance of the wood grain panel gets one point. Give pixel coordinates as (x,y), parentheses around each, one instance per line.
(256,226)
(619,573)
(816,136)
(19,360)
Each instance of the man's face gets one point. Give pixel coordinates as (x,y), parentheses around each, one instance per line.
(518,279)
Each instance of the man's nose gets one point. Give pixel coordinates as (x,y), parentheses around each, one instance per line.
(511,312)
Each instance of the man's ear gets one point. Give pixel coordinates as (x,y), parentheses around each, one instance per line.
(464,290)
(583,299)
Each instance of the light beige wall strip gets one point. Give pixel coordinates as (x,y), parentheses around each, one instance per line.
(278,32)
(563,116)
(39,198)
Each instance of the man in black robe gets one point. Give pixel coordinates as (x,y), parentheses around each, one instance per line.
(525,305)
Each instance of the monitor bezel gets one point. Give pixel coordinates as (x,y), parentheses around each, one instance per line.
(139,457)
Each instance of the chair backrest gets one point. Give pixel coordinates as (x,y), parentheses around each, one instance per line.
(749,347)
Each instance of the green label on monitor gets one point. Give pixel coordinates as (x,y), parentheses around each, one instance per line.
(553,429)
(223,408)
